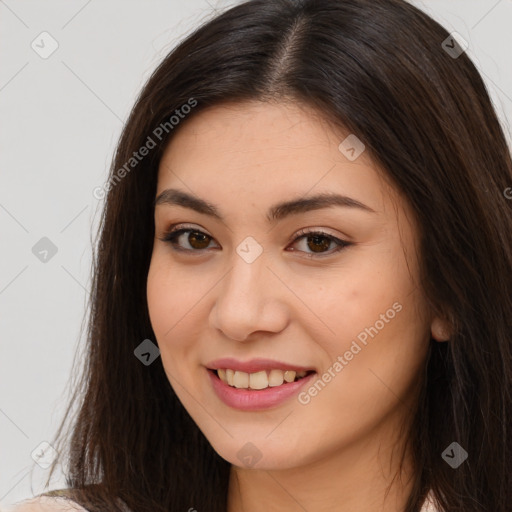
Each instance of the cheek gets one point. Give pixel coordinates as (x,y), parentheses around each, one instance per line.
(174,306)
(167,304)
(170,294)
(377,323)
(161,302)
(366,294)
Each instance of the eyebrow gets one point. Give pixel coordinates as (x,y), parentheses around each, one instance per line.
(275,213)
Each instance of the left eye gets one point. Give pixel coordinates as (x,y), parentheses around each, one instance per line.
(317,241)
(197,240)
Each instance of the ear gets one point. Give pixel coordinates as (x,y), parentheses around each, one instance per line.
(440,329)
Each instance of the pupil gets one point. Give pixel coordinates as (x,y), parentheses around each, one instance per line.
(201,240)
(316,239)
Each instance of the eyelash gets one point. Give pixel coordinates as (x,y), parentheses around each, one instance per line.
(172,234)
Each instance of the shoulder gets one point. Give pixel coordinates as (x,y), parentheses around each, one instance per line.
(429,504)
(46,504)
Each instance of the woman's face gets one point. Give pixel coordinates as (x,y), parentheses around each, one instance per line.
(244,284)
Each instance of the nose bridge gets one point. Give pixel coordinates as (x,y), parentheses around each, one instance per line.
(246,300)
(245,283)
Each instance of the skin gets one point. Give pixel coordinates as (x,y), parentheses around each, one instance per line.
(340,451)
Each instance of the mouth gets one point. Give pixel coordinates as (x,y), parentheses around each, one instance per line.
(259,390)
(261,380)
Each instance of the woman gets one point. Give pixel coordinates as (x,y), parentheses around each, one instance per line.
(302,285)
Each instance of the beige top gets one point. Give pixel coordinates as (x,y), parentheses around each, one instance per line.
(61,504)
(45,504)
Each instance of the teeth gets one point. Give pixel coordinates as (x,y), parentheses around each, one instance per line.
(241,380)
(289,375)
(275,378)
(258,380)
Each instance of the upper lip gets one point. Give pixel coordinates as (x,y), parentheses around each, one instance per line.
(254,365)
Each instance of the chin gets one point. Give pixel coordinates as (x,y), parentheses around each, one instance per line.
(260,453)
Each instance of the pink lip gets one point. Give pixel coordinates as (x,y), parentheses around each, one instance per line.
(254,365)
(253,399)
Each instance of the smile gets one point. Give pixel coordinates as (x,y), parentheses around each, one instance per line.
(258,380)
(248,399)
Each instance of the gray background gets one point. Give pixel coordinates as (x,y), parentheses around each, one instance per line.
(60,119)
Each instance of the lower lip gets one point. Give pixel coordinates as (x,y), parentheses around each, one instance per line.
(256,400)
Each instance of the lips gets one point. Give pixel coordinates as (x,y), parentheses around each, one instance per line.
(256,399)
(257,384)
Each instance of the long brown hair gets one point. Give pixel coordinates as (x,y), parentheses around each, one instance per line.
(378,69)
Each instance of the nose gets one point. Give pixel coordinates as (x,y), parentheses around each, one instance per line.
(250,299)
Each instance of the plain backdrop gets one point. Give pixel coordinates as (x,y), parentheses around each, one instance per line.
(61,116)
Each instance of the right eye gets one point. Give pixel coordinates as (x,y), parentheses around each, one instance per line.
(196,239)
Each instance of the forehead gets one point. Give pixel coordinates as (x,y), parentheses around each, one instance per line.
(271,150)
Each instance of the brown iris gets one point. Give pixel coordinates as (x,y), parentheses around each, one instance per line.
(316,239)
(200,239)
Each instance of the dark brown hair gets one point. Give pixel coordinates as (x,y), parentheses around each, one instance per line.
(379,70)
